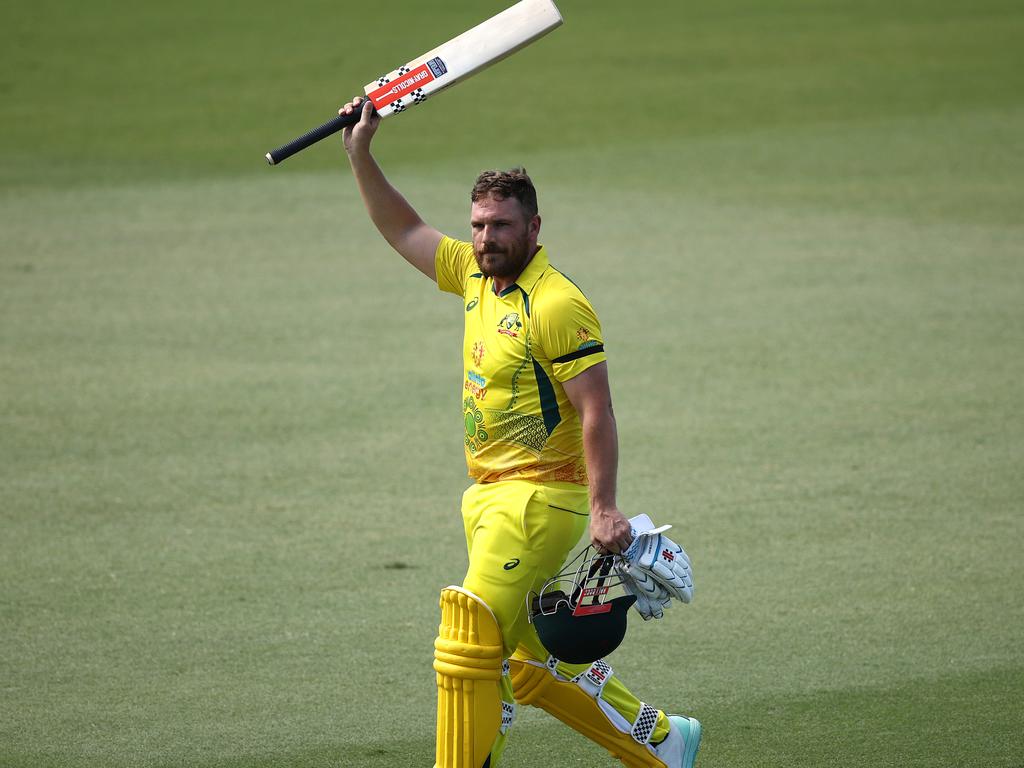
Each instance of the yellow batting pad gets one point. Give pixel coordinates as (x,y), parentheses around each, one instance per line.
(534,684)
(467,659)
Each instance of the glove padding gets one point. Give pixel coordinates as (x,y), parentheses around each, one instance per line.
(656,564)
(651,598)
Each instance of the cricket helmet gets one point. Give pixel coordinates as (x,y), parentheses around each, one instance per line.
(575,616)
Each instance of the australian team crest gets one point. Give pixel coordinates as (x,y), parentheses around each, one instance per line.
(510,325)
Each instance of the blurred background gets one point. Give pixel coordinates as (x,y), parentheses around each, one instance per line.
(230,453)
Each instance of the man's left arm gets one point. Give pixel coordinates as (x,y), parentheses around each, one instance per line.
(590,395)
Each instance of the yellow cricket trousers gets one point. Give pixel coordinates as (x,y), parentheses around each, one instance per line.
(519,534)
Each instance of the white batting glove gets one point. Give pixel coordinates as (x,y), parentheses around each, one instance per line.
(651,598)
(653,556)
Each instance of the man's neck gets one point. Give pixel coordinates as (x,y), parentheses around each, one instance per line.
(501,284)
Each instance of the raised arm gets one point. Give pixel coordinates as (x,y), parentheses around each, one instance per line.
(391,213)
(591,396)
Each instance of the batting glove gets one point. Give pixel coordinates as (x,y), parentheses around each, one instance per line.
(654,559)
(651,598)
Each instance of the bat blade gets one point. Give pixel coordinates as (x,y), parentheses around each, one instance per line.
(444,66)
(473,50)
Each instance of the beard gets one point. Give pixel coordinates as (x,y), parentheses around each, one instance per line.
(503,262)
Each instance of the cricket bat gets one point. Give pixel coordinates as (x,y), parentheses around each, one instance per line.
(444,66)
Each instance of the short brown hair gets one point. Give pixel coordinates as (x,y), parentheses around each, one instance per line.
(504,184)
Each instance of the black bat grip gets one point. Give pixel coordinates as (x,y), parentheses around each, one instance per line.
(307,139)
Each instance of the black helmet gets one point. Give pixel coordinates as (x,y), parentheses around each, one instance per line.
(582,625)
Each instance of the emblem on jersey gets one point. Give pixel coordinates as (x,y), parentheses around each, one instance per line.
(472,304)
(478,352)
(476,433)
(510,325)
(583,334)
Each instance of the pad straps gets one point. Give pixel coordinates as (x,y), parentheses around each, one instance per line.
(643,726)
(592,680)
(508,708)
(508,715)
(595,678)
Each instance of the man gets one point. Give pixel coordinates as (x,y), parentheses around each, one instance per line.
(541,445)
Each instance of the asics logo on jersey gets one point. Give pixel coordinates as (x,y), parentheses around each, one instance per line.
(472,304)
(511,564)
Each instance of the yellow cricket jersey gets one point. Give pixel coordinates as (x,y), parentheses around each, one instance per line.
(518,348)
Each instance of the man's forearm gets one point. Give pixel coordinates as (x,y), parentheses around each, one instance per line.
(590,396)
(601,447)
(388,209)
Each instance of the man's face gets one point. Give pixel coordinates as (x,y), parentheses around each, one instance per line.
(504,238)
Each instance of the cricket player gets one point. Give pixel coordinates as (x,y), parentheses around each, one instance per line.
(542,448)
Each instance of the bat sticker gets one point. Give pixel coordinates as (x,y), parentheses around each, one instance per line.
(391,92)
(437,66)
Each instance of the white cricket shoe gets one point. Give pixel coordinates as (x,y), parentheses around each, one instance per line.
(679,749)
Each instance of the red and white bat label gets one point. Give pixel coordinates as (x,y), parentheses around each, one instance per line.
(396,89)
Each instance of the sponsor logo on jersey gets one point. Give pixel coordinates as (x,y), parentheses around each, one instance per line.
(511,564)
(472,304)
(479,350)
(476,385)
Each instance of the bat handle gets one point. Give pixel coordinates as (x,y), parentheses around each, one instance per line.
(307,139)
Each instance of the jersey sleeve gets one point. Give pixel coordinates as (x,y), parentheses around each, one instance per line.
(569,333)
(453,263)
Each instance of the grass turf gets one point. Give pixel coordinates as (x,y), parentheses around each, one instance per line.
(230,464)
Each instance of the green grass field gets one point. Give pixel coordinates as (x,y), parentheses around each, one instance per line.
(230,453)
